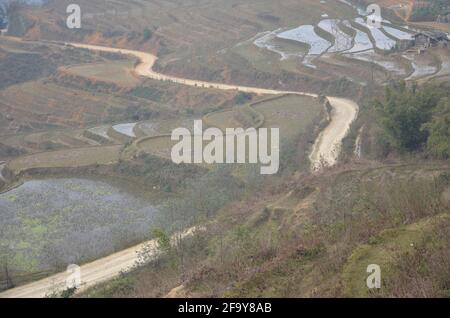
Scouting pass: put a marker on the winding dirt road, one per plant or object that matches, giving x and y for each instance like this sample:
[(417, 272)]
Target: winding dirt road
[(93, 273), (325, 151), (327, 147)]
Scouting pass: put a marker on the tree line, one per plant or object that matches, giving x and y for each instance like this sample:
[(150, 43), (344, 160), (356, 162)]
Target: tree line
[(416, 118)]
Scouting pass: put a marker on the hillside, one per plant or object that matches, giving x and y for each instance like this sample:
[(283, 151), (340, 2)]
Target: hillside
[(309, 242), (135, 147)]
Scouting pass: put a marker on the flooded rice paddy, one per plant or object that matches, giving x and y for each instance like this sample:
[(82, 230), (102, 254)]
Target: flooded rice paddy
[(387, 63), (126, 129), (266, 40), (50, 223), (399, 34), (101, 131), (306, 34), (382, 41), (362, 41), (343, 41)]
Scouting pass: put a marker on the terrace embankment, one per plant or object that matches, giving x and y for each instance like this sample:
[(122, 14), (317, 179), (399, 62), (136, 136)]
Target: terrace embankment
[(326, 151), (327, 147)]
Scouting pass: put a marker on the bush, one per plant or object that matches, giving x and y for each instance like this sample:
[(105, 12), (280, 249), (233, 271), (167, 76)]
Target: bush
[(431, 10), (439, 131), (147, 34), (243, 98), (405, 113)]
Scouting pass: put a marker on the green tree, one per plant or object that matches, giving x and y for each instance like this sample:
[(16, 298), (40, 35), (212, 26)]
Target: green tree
[(404, 112), (243, 98), (163, 240), (438, 143), (147, 34)]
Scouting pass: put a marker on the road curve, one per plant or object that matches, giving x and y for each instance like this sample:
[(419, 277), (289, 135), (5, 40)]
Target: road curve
[(326, 148), (325, 152), (93, 273)]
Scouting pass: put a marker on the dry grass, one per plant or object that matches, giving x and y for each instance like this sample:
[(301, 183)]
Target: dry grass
[(66, 158), (359, 217), (119, 72), (292, 114), (49, 103)]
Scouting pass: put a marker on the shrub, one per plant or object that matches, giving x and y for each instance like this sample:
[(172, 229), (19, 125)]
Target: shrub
[(406, 111), (439, 131), (243, 98), (147, 34)]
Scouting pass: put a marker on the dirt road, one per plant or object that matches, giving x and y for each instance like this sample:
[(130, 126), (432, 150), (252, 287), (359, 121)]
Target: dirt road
[(326, 150), (327, 147), (92, 273)]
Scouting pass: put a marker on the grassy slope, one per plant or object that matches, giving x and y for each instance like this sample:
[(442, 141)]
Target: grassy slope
[(198, 38), (383, 251), (67, 158), (117, 72), (281, 244), (292, 114)]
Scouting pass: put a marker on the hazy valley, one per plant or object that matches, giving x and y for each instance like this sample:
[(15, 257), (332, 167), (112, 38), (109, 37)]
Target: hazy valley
[(87, 175)]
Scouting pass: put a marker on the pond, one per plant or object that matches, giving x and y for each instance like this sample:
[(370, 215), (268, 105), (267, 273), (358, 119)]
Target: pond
[(382, 41), (126, 129), (343, 41), (48, 224), (306, 34)]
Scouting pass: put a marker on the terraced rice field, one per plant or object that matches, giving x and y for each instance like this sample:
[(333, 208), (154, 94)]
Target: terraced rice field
[(388, 63), (396, 33), (118, 72), (164, 126), (52, 139), (193, 29), (66, 138), (292, 114), (48, 103), (101, 131), (306, 34), (361, 41), (67, 158), (158, 146), (359, 45), (267, 41), (147, 129), (444, 70), (423, 66), (343, 41), (126, 129), (382, 41), (207, 35), (266, 33), (225, 119), (355, 39)]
